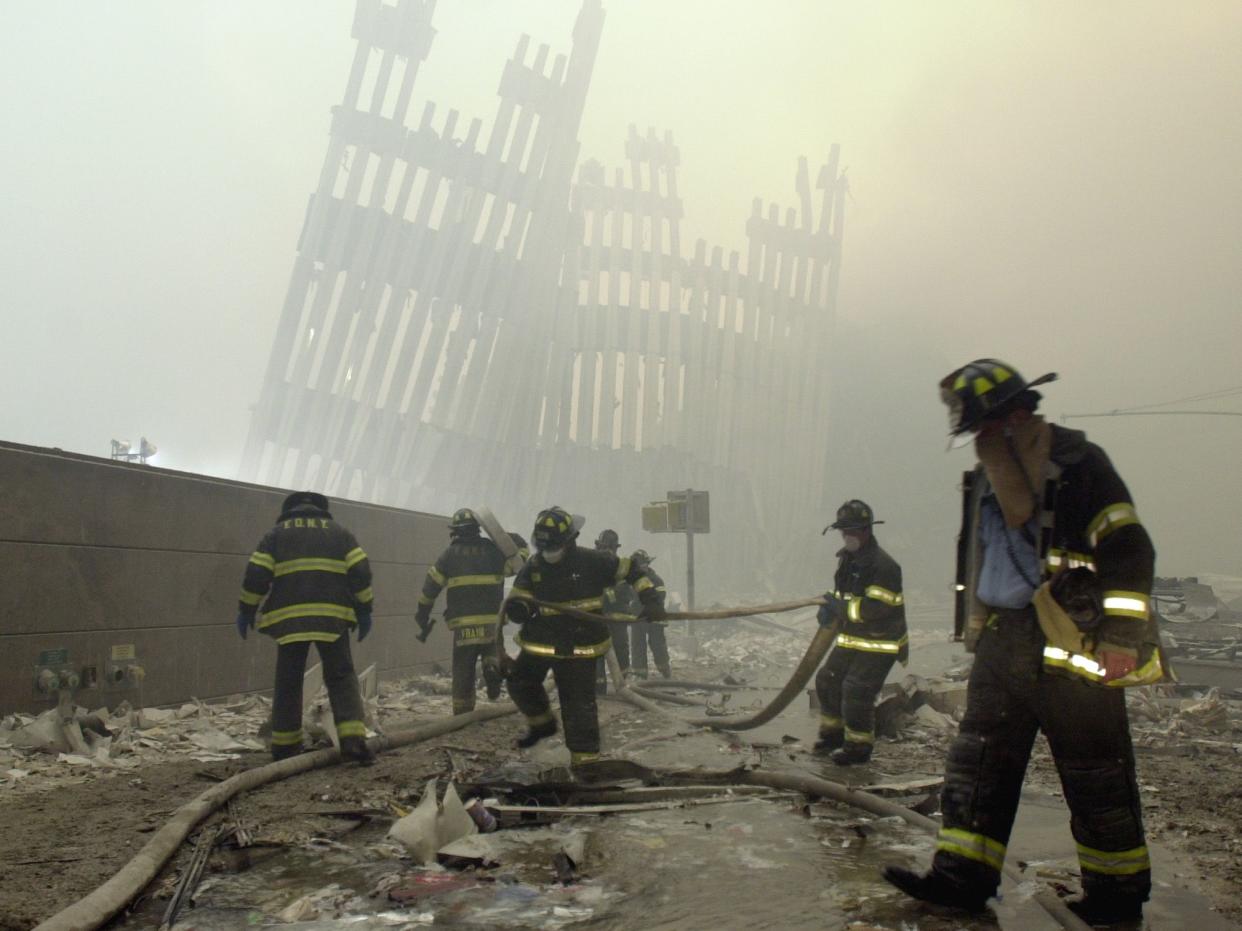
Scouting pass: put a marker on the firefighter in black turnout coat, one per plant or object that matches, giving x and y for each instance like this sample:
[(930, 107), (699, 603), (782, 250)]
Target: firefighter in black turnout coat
[(314, 584), (472, 568), (565, 575), (867, 603), (1054, 580)]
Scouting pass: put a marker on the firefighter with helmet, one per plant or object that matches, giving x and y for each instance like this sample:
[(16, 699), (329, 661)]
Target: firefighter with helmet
[(313, 581), (472, 568), (1054, 579), (647, 631), (867, 604), (563, 576), (619, 602)]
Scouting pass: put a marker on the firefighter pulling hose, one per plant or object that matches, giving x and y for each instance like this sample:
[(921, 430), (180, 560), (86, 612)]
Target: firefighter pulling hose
[(815, 652)]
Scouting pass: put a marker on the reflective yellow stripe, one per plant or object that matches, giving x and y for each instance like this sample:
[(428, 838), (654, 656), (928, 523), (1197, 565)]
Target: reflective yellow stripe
[(471, 620), (354, 556), (830, 722), (458, 581), (1114, 862), (583, 604), (521, 593), (590, 651), (424, 600), (854, 612), (859, 737), (462, 705), (1126, 604), (309, 609), (288, 566), (313, 636), (350, 729), (884, 595), (1075, 662), (872, 646), (366, 596), (643, 584), (577, 758), (286, 738), (972, 847), (1086, 666), (250, 598), (437, 576), (264, 560), (1112, 518), (623, 568), (476, 634), (1058, 559)]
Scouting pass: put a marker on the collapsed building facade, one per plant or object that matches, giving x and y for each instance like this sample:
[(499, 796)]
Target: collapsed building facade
[(483, 317)]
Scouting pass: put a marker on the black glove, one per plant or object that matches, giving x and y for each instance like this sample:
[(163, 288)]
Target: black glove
[(244, 623), (654, 610), (364, 622), (520, 611), (827, 613)]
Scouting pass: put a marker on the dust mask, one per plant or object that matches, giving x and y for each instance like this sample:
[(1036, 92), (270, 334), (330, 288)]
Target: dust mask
[(553, 556), (852, 544)]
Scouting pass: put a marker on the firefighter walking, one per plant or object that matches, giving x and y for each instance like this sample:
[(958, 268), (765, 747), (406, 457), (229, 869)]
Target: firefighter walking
[(564, 575), (1054, 578), (867, 604), (313, 581), (472, 569)]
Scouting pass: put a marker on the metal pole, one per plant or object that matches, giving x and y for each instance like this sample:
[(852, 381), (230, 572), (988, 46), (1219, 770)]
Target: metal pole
[(692, 625)]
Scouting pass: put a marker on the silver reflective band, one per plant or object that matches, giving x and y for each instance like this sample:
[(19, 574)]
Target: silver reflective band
[(1081, 663), (1125, 604)]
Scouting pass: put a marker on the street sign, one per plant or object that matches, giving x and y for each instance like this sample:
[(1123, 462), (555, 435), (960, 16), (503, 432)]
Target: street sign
[(689, 511)]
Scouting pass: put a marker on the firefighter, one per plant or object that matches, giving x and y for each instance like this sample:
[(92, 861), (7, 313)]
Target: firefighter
[(472, 568), (647, 631), (565, 575), (317, 584), (867, 603), (1054, 580), (619, 602)]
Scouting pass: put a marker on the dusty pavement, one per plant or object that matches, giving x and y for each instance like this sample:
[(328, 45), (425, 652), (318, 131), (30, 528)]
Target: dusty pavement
[(71, 828)]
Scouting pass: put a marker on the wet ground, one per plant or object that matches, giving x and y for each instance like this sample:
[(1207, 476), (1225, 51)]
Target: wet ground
[(745, 863)]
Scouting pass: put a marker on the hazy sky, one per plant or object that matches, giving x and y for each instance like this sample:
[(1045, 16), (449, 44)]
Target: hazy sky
[(1058, 184)]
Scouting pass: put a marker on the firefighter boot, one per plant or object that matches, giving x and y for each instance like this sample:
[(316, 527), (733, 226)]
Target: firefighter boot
[(492, 680), (356, 750), (666, 671), (829, 741), (936, 888), (1106, 910), (852, 754), (536, 733), (284, 752)]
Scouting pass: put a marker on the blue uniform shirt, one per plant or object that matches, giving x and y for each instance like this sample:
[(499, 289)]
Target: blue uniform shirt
[(1001, 585)]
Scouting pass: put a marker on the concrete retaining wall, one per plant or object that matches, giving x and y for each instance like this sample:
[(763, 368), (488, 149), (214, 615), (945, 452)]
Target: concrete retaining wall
[(108, 560)]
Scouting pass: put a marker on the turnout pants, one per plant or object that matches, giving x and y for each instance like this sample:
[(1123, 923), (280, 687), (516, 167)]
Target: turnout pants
[(341, 682), (575, 686), (847, 686), (1009, 699), (466, 658), (648, 632)]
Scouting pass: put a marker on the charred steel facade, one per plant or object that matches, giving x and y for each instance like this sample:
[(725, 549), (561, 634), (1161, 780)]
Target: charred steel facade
[(477, 317)]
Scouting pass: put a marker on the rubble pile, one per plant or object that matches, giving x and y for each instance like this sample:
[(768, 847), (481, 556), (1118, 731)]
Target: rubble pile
[(70, 744)]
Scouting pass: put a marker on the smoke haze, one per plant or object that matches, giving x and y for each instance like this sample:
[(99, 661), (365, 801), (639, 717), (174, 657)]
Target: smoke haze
[(1054, 184)]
